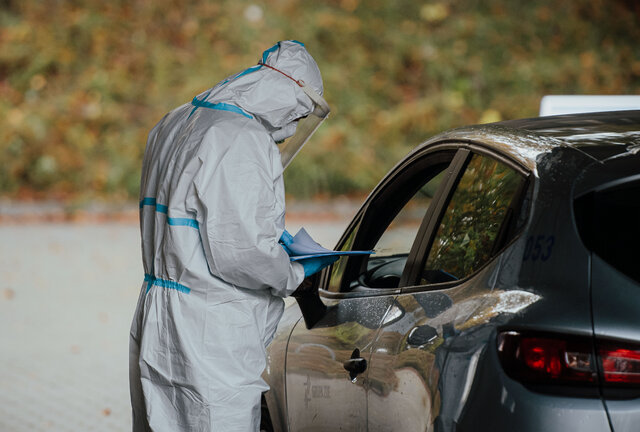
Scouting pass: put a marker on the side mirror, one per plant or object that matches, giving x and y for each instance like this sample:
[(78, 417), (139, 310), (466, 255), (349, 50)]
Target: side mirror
[(309, 301)]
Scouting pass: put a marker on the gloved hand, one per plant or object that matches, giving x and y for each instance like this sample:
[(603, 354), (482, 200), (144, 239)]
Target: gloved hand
[(286, 239), (314, 265)]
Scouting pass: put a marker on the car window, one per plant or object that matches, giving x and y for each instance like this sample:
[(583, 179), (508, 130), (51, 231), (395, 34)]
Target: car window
[(337, 271), (399, 235), (476, 218), (389, 228), (608, 222)]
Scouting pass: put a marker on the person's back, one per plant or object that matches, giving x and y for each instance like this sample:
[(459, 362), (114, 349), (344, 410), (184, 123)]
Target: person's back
[(211, 212)]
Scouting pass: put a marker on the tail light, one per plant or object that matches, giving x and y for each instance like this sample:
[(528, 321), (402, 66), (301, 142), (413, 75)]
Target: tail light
[(620, 365), (546, 359)]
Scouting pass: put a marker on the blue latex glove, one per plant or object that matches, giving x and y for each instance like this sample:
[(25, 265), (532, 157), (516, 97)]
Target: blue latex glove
[(314, 265), (286, 239)]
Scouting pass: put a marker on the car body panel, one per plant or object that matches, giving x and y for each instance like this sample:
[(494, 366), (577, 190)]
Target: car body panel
[(498, 403), (553, 262), (616, 310), (623, 414), (407, 357), (320, 393)]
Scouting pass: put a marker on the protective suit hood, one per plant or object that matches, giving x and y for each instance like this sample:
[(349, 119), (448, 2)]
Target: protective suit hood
[(275, 100)]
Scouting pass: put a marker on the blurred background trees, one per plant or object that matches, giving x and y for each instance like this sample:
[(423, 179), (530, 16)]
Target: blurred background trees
[(82, 82)]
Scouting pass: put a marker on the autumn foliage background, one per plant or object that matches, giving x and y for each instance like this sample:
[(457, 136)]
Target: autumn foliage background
[(82, 82)]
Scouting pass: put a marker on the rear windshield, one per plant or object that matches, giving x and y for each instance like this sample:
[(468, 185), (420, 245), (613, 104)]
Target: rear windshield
[(609, 225)]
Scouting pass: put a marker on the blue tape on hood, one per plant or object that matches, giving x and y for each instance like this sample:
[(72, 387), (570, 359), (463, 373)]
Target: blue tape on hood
[(197, 103)]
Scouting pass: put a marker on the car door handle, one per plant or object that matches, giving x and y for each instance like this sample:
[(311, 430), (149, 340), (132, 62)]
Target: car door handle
[(355, 365)]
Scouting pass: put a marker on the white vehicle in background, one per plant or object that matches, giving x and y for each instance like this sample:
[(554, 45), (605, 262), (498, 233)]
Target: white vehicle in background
[(575, 104)]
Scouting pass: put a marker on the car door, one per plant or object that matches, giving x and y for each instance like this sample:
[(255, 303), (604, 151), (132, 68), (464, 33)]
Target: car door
[(326, 366), (422, 364)]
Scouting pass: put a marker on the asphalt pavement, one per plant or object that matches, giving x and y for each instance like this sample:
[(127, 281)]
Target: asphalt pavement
[(67, 296)]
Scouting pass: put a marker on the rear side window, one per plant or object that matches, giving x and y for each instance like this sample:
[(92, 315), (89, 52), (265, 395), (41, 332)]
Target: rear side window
[(609, 224), (477, 221)]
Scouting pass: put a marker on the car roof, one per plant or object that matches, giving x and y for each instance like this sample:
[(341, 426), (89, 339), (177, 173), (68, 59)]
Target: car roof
[(599, 135)]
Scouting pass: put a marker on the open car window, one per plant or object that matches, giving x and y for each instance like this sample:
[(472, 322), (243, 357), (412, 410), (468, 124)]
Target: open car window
[(401, 232), (390, 227)]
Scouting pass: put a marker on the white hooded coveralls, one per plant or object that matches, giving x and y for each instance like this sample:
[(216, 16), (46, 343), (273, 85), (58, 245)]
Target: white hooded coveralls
[(211, 213)]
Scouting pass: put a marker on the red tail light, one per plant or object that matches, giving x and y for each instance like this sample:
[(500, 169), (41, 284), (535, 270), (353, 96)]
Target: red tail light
[(620, 365), (547, 359)]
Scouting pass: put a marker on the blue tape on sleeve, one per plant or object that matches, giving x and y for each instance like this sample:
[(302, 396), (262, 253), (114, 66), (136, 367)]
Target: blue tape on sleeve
[(164, 283), (183, 222)]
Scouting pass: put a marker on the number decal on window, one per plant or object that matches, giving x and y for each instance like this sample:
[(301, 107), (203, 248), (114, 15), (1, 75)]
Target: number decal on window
[(539, 247)]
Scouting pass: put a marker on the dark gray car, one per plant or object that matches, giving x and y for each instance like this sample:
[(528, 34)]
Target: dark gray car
[(504, 293)]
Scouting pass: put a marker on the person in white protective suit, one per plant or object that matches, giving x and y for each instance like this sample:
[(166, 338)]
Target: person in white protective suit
[(211, 214)]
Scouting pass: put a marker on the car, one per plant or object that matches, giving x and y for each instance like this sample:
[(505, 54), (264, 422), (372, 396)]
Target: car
[(503, 294)]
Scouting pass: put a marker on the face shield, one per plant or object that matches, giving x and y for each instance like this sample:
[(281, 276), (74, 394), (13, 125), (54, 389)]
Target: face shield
[(304, 127)]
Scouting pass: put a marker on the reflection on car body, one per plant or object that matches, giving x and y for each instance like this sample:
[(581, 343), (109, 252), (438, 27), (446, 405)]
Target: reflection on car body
[(503, 294)]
